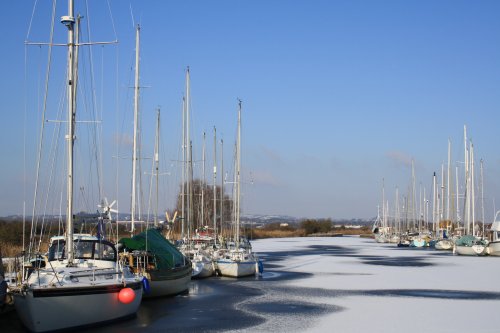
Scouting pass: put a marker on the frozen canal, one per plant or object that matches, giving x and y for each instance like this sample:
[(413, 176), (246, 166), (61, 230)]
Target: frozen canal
[(339, 284), (365, 286)]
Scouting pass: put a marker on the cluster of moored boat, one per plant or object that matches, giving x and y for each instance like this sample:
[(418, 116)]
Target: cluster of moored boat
[(448, 228), (447, 238), (86, 279), (90, 280)]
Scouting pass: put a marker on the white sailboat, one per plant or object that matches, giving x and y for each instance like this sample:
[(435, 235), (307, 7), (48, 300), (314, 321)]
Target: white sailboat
[(199, 248), (494, 245), (82, 282), (3, 286), (149, 254), (444, 244), (470, 244), (202, 264), (192, 243), (238, 260), (443, 228), (380, 230)]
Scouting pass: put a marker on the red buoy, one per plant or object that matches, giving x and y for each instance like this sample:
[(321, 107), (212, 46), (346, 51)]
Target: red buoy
[(126, 295)]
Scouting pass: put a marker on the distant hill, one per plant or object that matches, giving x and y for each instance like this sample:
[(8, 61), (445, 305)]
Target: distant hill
[(257, 219), (248, 219)]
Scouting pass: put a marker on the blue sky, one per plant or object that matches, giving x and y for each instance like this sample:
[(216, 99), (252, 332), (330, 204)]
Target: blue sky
[(337, 95)]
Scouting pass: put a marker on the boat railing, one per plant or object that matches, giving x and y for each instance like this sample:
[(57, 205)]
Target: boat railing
[(94, 273)]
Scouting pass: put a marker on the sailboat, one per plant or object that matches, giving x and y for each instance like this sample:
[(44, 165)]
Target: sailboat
[(470, 244), (443, 228), (199, 248), (379, 230), (238, 260), (192, 244), (443, 241), (82, 281), (149, 254), (494, 244), (3, 285)]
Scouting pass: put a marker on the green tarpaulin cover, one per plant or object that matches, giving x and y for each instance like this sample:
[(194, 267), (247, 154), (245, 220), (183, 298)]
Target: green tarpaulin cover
[(469, 240), (167, 255)]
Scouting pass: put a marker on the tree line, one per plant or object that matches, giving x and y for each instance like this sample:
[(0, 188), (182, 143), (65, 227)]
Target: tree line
[(198, 201)]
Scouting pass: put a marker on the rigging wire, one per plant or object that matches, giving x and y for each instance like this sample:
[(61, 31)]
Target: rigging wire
[(44, 110), (31, 19), (112, 20), (53, 154), (96, 137)]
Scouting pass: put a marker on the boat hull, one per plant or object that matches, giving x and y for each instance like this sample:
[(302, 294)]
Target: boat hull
[(494, 248), (474, 250), (232, 268), (169, 283), (202, 269), (381, 238), (418, 242), (395, 239), (54, 308), (444, 244)]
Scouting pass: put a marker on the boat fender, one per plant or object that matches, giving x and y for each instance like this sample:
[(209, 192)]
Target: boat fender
[(126, 295), (3, 293), (261, 267), (145, 285)]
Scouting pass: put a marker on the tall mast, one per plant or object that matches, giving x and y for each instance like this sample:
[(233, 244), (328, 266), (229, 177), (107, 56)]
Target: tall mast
[(434, 201), (398, 220), (215, 184), (157, 164), (482, 196), (448, 182), (202, 223), (221, 186), (184, 159), (413, 196), (69, 21), (188, 150), (383, 206), (442, 202), (466, 195), (238, 177), (185, 156), (457, 216), (420, 206), (136, 125), (190, 191), (473, 190), (425, 209)]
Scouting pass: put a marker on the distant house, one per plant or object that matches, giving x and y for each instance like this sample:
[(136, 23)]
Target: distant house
[(283, 225), (347, 226)]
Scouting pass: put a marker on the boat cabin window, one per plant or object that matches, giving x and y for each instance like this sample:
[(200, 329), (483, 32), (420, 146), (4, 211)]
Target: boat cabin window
[(56, 250), (104, 251), (84, 249)]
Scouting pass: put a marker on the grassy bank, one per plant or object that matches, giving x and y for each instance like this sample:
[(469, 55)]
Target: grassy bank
[(11, 232)]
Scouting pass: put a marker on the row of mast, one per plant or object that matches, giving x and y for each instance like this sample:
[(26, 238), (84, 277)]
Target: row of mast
[(442, 197), (187, 161)]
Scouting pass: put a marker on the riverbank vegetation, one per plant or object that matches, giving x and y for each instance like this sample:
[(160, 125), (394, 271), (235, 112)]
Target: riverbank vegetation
[(305, 228), (11, 232)]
